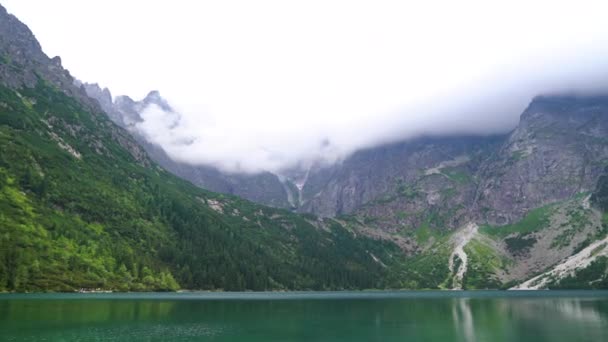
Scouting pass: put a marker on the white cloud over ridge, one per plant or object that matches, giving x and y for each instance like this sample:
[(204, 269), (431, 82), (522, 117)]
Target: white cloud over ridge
[(262, 85)]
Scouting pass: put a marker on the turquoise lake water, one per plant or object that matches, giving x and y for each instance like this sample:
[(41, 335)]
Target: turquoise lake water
[(322, 316)]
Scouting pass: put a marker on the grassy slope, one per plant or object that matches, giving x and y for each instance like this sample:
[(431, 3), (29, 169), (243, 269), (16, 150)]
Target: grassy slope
[(102, 220), (535, 220)]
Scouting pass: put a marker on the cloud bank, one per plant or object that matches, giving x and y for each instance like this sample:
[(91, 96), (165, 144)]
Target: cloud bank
[(264, 85)]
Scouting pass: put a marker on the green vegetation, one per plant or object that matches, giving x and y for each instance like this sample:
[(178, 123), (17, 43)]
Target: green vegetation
[(600, 233), (578, 219), (407, 190), (80, 209), (430, 228), (423, 233), (483, 264), (534, 221), (594, 276), (520, 243), (427, 270)]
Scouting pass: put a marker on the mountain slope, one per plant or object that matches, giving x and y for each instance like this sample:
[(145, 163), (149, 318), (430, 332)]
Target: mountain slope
[(264, 188), (78, 207), (81, 205), (529, 192), (559, 149)]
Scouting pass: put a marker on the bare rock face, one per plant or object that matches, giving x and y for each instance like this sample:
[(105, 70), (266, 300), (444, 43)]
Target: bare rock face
[(407, 176), (103, 96), (559, 149), (24, 64)]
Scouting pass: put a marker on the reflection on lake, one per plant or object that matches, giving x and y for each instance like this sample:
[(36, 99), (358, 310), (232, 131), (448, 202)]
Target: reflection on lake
[(550, 319), (358, 316)]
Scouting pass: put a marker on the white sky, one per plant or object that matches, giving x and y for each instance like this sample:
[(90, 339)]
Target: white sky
[(260, 84)]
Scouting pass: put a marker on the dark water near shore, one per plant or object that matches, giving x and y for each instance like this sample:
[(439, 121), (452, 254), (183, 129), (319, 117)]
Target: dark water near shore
[(325, 316)]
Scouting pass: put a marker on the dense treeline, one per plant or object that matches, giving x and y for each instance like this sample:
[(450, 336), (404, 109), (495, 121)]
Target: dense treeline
[(77, 210)]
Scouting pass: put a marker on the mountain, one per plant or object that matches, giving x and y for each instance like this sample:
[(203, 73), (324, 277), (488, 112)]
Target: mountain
[(88, 201), (83, 206), (509, 208), (558, 150), (264, 188)]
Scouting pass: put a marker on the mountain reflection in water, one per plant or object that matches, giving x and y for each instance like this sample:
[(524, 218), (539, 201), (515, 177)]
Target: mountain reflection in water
[(330, 316)]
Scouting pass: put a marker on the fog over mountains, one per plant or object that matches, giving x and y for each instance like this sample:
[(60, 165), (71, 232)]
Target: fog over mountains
[(269, 85), (441, 184)]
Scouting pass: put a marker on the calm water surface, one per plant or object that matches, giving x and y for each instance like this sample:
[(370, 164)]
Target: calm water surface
[(325, 316)]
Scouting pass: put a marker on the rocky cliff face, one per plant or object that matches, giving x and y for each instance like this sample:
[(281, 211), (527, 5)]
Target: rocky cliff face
[(23, 63), (409, 170), (559, 149)]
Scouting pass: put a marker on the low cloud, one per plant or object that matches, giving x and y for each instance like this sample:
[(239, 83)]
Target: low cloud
[(263, 85), (252, 142)]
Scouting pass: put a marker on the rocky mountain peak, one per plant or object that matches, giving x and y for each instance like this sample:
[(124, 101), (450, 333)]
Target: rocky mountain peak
[(155, 98), (557, 150), (564, 103), (56, 61), (17, 36), (104, 96), (154, 95), (124, 100), (23, 63)]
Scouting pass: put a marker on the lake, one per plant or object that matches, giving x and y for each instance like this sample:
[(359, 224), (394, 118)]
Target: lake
[(307, 316)]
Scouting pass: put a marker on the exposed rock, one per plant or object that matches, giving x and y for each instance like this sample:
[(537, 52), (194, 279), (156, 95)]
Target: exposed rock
[(379, 173), (559, 149), (23, 64)]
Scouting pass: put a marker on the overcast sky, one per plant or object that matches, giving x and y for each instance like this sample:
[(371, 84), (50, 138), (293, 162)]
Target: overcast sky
[(263, 84)]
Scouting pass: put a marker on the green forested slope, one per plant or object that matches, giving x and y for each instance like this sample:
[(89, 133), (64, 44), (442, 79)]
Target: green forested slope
[(82, 205), (77, 209)]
